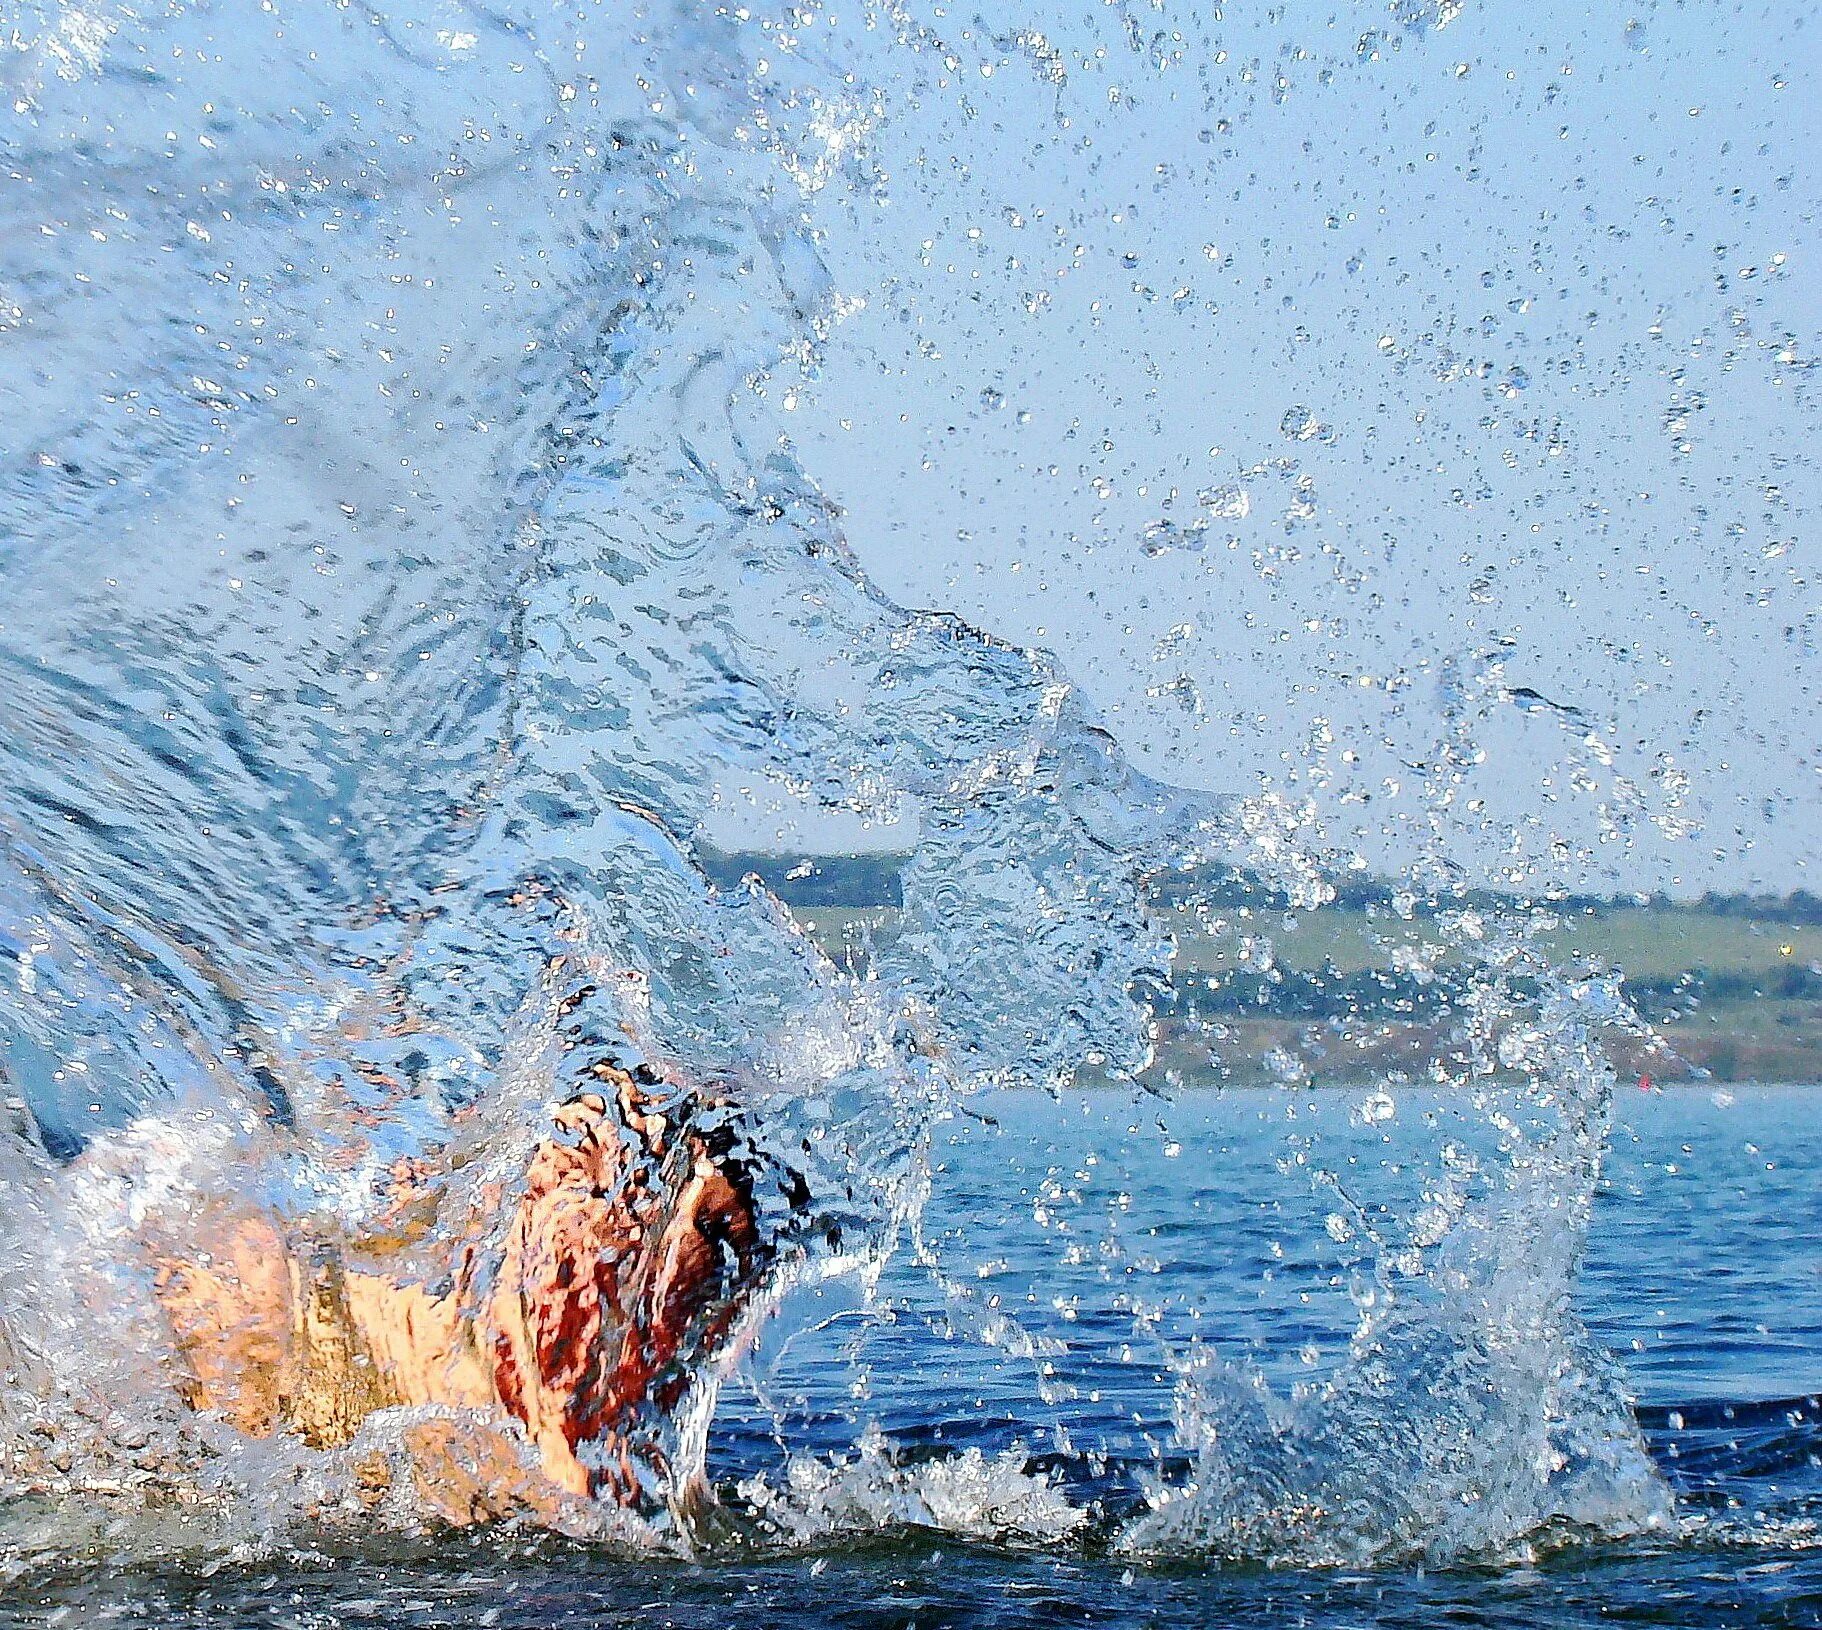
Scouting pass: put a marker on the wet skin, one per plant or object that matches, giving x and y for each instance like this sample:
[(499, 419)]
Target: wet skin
[(630, 1254)]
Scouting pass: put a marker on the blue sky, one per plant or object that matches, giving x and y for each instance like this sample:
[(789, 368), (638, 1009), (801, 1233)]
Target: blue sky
[(1290, 373)]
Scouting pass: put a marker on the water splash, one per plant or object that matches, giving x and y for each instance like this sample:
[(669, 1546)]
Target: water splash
[(968, 1495), (1472, 1415), (400, 553), (385, 609)]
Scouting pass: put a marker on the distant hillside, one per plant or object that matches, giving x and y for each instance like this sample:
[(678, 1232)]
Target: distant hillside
[(1733, 982), (867, 880)]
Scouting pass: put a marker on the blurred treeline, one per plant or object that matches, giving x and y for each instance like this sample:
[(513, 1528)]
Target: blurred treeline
[(1733, 982)]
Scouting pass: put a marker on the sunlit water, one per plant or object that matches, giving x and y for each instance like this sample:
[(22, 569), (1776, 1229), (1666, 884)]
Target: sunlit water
[(403, 558), (1716, 1309)]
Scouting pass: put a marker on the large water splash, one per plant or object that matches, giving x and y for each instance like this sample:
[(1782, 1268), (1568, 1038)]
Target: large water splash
[(387, 600), (399, 553), (1471, 1414)]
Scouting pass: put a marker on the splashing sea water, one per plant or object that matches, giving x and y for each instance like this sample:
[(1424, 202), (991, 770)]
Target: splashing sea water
[(399, 552)]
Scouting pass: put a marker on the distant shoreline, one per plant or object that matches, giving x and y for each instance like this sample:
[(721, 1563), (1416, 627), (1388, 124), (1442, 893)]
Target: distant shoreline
[(1733, 989), (1206, 1082)]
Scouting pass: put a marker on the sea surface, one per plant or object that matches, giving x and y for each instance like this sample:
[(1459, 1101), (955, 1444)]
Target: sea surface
[(1702, 1276), (417, 544)]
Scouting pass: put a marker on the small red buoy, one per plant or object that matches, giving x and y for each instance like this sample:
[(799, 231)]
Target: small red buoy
[(1644, 1083)]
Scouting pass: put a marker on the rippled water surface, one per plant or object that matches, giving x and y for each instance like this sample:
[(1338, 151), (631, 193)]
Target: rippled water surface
[(1716, 1308)]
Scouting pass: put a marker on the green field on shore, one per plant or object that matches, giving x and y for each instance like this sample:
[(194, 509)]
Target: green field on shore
[(1647, 943), (1734, 992)]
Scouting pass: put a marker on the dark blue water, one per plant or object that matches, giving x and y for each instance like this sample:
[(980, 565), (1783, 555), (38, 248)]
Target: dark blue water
[(1101, 1235)]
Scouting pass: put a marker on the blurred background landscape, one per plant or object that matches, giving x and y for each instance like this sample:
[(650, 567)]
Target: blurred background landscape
[(1730, 984)]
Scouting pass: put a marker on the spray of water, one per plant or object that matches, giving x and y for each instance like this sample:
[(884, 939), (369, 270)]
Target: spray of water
[(1471, 1414), (400, 552)]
